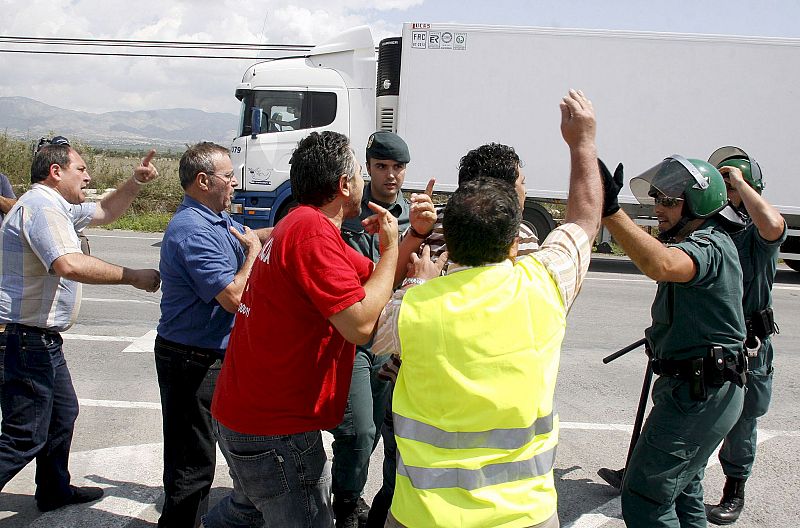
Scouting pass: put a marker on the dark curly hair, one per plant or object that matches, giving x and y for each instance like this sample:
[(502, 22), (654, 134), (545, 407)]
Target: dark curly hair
[(492, 160), (317, 163), (481, 221)]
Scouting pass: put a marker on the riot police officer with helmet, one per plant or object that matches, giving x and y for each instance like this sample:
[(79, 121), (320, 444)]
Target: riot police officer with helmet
[(696, 337), (758, 245)]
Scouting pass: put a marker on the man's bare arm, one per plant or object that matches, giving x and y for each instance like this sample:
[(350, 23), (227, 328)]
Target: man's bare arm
[(357, 322), (654, 259), (92, 270), (230, 297), (115, 204), (585, 188), (6, 204)]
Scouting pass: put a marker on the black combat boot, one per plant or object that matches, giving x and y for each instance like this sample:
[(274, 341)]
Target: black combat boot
[(731, 504), (350, 513)]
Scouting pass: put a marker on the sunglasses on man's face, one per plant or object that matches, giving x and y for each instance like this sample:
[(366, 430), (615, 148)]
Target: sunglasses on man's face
[(667, 201), (56, 140)]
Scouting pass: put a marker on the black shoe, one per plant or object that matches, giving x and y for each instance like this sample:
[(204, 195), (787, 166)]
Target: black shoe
[(731, 504), (363, 512), (346, 513), (612, 476), (79, 496)]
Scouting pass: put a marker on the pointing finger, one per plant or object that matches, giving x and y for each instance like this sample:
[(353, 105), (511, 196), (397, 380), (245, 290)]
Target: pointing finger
[(147, 159), (429, 187)]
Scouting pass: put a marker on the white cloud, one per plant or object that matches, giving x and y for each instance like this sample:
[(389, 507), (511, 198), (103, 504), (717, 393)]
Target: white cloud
[(98, 84)]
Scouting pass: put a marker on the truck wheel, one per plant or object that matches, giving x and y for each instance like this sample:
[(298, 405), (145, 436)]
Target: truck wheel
[(284, 210), (791, 245), (538, 217)]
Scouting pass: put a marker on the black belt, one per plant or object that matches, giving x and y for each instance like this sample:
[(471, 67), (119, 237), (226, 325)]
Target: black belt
[(193, 352), (714, 369), (17, 328)]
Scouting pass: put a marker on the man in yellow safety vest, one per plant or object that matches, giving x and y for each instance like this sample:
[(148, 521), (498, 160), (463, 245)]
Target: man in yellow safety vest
[(473, 405)]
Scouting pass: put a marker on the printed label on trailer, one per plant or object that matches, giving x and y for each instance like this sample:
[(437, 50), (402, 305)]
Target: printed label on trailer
[(419, 39), (434, 39), (447, 40), (460, 41), (419, 25)]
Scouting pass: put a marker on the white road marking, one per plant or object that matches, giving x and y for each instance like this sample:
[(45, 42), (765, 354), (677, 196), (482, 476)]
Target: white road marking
[(135, 301), (128, 237), (146, 343), (119, 404), (85, 337)]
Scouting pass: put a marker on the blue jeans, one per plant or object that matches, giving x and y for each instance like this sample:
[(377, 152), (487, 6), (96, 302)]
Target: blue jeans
[(186, 380), (39, 408), (279, 481)]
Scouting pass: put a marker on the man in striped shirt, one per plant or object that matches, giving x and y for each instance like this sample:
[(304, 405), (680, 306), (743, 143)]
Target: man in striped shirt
[(41, 271)]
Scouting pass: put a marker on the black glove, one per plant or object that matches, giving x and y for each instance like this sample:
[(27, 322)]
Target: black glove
[(611, 188)]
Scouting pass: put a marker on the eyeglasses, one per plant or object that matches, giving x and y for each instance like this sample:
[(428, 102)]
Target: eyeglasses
[(667, 201), (227, 178), (56, 140)]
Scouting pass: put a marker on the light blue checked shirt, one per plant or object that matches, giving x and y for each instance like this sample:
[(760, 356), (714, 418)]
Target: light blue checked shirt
[(40, 228)]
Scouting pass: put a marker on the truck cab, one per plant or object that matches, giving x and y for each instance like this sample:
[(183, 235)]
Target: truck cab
[(283, 100)]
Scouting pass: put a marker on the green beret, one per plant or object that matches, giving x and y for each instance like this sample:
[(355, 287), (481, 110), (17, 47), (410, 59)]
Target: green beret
[(387, 146)]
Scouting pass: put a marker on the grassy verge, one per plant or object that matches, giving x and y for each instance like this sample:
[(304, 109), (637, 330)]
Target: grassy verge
[(148, 222)]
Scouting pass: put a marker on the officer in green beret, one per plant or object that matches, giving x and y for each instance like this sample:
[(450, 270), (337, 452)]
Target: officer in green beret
[(356, 437)]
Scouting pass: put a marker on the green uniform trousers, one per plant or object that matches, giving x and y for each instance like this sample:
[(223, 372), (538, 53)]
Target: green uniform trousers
[(739, 448), (663, 481), (356, 437)]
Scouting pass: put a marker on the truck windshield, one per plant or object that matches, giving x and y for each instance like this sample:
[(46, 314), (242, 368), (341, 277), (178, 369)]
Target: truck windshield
[(288, 110)]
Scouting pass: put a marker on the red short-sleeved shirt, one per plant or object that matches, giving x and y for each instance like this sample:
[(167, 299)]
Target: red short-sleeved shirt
[(287, 369)]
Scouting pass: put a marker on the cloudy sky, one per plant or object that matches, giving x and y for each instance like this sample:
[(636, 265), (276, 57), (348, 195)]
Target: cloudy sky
[(98, 84)]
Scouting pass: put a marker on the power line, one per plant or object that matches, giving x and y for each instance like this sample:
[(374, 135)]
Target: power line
[(152, 43), (154, 55)]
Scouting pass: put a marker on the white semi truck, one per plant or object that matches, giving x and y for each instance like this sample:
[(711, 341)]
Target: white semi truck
[(448, 88)]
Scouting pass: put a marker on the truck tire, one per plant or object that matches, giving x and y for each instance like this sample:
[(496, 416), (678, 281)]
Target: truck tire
[(791, 245), (284, 210), (538, 217)]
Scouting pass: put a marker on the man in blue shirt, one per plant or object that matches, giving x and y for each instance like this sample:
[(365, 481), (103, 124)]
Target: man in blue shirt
[(205, 260)]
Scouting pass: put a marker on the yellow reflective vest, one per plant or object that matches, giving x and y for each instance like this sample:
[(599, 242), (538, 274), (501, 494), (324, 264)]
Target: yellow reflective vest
[(473, 406)]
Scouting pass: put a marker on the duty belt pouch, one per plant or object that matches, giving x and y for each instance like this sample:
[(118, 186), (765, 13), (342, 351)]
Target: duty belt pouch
[(697, 382), (762, 324)]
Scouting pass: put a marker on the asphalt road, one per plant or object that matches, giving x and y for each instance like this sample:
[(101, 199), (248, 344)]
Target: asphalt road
[(117, 443)]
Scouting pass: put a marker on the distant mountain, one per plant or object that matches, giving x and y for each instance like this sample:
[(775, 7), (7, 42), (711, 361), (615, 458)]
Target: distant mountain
[(27, 118)]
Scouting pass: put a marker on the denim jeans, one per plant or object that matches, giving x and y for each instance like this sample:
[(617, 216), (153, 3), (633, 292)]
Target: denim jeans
[(279, 481), (186, 380), (39, 408)]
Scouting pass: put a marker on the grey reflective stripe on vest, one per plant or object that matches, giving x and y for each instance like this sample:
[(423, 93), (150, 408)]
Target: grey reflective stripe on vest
[(494, 439), (471, 479)]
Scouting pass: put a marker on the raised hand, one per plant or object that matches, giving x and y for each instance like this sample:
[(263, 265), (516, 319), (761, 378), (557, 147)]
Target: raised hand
[(422, 214), (146, 171), (578, 124), (612, 185), (384, 224), (423, 267)]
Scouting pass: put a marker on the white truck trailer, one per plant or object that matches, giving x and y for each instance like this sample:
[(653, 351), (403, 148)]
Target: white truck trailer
[(448, 88)]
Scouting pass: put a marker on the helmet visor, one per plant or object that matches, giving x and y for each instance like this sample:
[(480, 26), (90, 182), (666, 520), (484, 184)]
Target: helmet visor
[(668, 179), (723, 154)]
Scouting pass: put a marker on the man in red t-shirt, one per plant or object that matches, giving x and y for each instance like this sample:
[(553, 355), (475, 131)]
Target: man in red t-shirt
[(309, 300)]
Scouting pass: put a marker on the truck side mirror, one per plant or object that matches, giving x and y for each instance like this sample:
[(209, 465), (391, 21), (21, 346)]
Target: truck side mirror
[(255, 122)]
